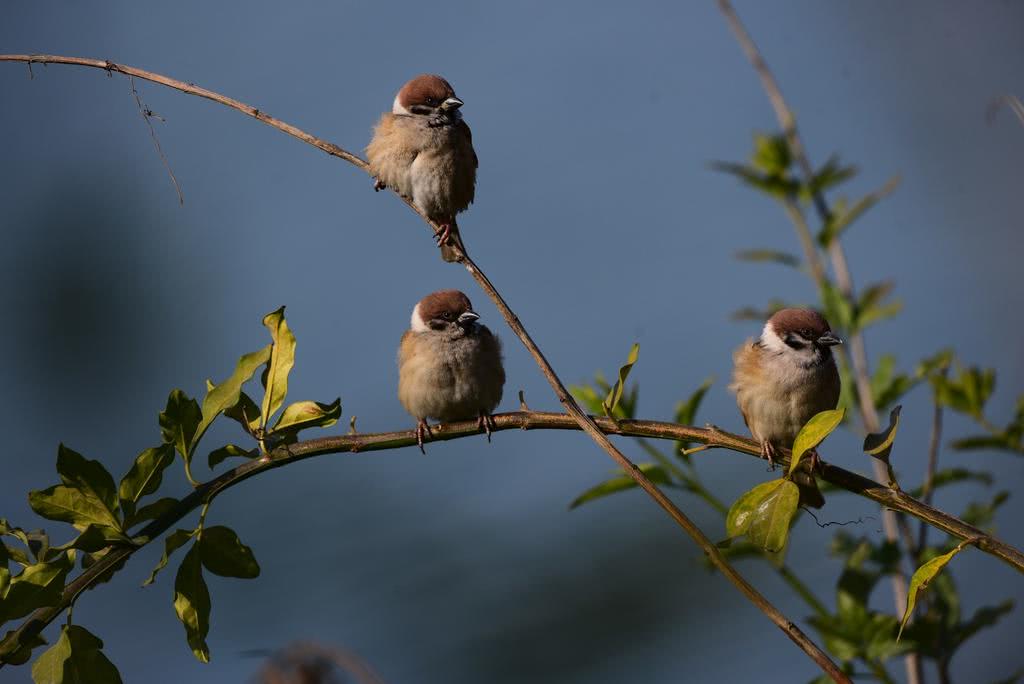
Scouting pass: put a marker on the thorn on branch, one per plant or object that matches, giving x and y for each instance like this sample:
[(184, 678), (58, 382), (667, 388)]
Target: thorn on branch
[(693, 450), (522, 402), (352, 426)]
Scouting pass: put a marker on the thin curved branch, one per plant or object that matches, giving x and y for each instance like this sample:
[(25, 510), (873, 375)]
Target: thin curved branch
[(518, 420)]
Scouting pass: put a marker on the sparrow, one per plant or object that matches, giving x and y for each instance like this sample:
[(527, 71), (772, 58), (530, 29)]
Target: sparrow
[(782, 380), (449, 365), (423, 150)]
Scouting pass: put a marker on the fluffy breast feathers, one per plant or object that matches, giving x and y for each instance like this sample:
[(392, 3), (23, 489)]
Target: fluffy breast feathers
[(433, 166)]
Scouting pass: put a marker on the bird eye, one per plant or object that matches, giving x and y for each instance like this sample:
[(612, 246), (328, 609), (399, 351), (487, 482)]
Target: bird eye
[(447, 315), (432, 101)]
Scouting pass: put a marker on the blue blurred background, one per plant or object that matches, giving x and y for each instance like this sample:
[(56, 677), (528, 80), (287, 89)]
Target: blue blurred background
[(599, 219)]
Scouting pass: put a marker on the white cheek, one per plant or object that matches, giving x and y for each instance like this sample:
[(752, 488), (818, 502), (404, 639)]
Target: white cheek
[(397, 108), (771, 341), (416, 323)]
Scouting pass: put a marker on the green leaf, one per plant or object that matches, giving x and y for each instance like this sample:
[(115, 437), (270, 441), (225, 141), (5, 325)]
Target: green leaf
[(246, 413), (224, 554), (776, 186), (5, 576), (217, 456), (871, 307), (192, 603), (227, 395), (655, 473), (72, 505), (771, 153), (178, 422), (751, 313), (307, 414), (879, 444), (813, 433), (838, 308), (90, 477), (144, 477), (829, 175), (612, 400), (981, 514), (686, 412), (922, 576), (948, 476), (977, 442), (95, 538), (843, 217), (76, 658), (741, 513), (24, 651), (152, 511), (281, 361), (588, 397), (759, 255), (769, 526), (174, 541), (764, 514), (36, 586)]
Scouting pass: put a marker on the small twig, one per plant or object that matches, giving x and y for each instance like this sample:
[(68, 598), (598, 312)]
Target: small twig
[(1011, 101), (147, 114), (522, 402)]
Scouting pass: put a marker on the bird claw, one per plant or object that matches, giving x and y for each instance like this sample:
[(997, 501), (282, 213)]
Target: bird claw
[(422, 429), (768, 451), (486, 423), (443, 233), (378, 185)]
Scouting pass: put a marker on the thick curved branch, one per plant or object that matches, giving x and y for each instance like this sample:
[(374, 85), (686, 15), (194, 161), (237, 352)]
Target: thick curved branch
[(519, 420)]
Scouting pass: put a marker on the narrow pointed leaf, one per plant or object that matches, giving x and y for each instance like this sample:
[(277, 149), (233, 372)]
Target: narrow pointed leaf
[(655, 473), (224, 554), (760, 255), (281, 361), (814, 433), (174, 541), (611, 402), (144, 477), (842, 219), (879, 444), (192, 603), (227, 394), (922, 576)]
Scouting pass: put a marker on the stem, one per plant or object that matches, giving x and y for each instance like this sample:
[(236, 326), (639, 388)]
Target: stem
[(519, 420)]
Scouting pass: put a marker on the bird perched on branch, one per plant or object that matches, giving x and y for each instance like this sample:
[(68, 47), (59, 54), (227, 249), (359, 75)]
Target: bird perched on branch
[(424, 150), (449, 365), (782, 380)]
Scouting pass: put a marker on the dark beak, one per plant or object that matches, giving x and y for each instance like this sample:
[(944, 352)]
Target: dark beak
[(828, 340), (451, 103), (468, 317)]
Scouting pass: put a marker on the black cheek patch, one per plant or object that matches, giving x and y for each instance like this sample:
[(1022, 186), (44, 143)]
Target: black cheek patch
[(794, 343), (421, 109)]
